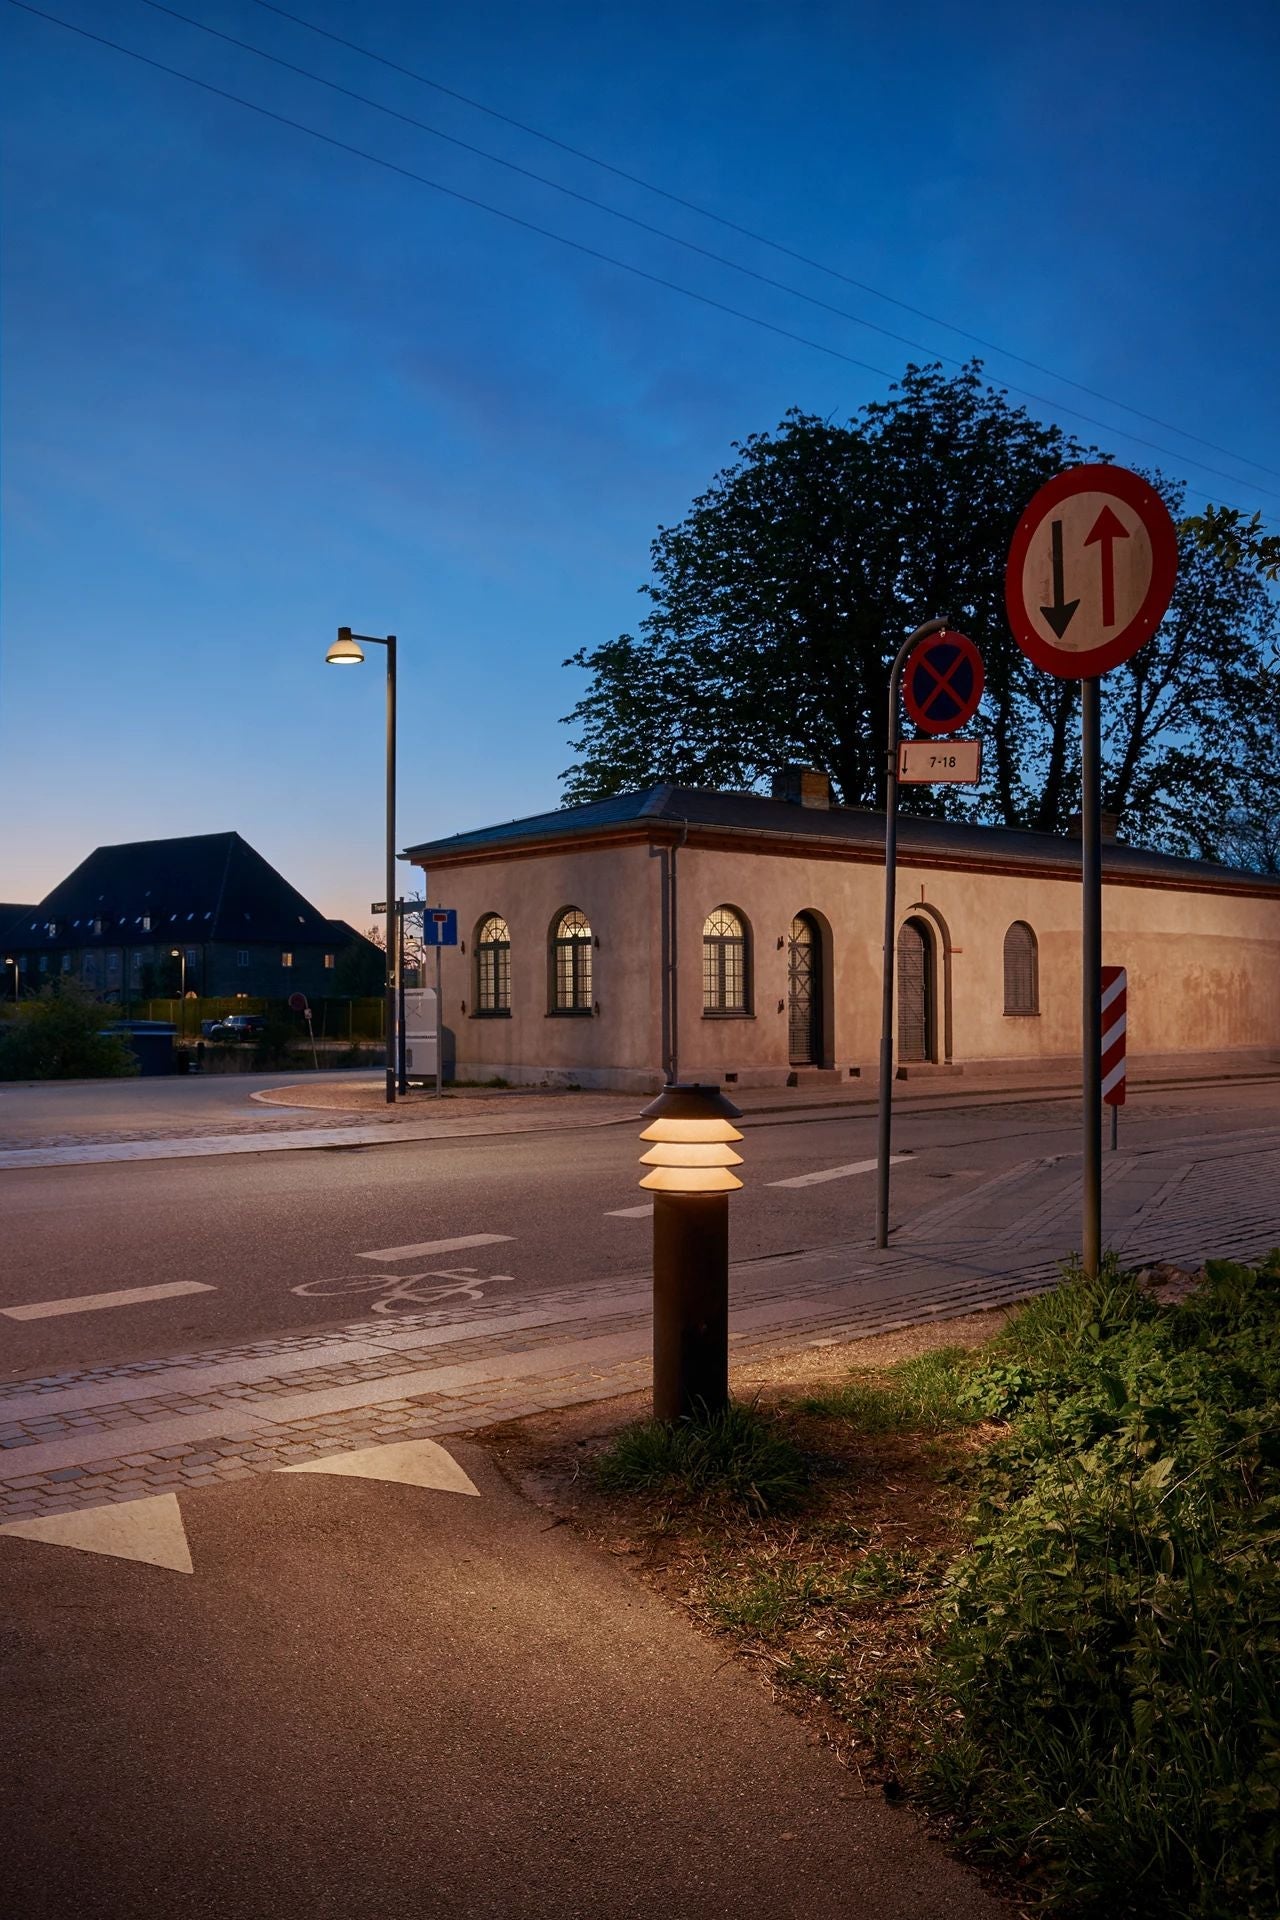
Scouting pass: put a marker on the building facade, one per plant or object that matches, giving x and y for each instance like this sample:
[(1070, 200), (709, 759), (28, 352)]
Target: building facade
[(239, 927), (736, 938)]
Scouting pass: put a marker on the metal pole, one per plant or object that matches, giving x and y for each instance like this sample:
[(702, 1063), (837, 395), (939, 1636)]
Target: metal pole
[(885, 1127), (392, 969), (439, 1030), (690, 1304), (1091, 969), (402, 1053)]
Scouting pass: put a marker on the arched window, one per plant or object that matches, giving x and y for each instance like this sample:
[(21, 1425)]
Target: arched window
[(493, 965), (1021, 971), (571, 963), (724, 962)]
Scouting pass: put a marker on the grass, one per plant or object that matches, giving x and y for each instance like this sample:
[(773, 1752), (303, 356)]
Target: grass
[(925, 1394), (739, 1456)]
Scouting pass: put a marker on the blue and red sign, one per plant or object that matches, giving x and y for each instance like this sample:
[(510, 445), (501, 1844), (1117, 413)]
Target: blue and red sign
[(943, 682)]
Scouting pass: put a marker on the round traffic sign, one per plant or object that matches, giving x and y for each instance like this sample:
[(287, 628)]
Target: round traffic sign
[(943, 681), (1091, 571), (297, 1002)]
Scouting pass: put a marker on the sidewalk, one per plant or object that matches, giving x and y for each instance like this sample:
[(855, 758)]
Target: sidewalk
[(347, 1111), (98, 1435)]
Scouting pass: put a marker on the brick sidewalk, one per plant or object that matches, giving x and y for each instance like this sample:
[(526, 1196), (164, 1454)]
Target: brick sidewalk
[(85, 1437)]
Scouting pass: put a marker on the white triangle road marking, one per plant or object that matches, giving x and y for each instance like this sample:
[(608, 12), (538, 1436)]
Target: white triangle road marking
[(413, 1463), (149, 1530)]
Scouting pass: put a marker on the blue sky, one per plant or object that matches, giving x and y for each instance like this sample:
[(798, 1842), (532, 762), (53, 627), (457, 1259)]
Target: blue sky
[(254, 386)]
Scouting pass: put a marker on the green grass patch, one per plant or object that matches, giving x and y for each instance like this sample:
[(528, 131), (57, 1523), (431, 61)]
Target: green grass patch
[(1102, 1697), (740, 1455), (926, 1394)]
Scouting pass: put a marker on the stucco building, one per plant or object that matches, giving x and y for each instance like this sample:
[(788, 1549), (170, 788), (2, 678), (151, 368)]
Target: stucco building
[(736, 938)]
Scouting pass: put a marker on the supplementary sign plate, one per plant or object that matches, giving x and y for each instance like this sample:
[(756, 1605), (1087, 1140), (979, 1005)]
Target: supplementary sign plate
[(1091, 571), (922, 762)]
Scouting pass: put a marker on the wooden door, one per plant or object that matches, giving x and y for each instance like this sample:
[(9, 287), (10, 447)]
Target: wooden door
[(804, 992), (915, 992)]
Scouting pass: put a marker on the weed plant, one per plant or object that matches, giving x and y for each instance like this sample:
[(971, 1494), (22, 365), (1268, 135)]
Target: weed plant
[(739, 1456), (1102, 1698), (926, 1394)]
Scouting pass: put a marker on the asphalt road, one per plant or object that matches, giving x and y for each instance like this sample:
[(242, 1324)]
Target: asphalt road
[(251, 1230)]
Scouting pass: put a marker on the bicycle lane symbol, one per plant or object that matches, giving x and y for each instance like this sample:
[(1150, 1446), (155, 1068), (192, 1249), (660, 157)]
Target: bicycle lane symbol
[(397, 1292)]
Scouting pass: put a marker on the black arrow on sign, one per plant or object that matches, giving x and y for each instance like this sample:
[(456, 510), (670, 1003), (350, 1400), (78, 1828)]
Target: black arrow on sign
[(1062, 612)]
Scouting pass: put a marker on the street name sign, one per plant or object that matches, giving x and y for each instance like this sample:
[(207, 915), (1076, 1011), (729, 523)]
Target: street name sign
[(922, 762), (942, 683), (1091, 571), (1115, 1008)]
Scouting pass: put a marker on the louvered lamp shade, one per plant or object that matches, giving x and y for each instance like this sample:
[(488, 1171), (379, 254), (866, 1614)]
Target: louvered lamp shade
[(691, 1129)]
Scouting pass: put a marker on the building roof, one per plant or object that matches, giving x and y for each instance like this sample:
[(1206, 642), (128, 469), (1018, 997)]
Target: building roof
[(194, 890), (852, 832), (11, 910)]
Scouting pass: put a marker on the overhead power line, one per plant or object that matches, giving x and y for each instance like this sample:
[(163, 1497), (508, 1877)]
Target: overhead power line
[(517, 220), (691, 246), (764, 240)]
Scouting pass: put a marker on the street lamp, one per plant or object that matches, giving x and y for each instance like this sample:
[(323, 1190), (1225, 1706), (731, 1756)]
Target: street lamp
[(179, 954), (347, 651), (689, 1161), (11, 961)]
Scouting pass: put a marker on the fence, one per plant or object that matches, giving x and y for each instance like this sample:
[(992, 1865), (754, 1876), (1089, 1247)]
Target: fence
[(343, 1021)]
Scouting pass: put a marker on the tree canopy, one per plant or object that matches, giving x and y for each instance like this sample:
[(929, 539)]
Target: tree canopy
[(778, 603)]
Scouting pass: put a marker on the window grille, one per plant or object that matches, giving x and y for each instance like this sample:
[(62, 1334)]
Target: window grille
[(1021, 971), (571, 964), (493, 965), (724, 962)]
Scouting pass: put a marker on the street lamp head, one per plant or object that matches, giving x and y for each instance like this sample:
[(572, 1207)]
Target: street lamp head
[(175, 953), (345, 652), (691, 1128)]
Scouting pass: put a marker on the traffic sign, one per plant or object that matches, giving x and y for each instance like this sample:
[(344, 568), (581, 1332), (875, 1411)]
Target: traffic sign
[(440, 927), (954, 762), (298, 1002), (1115, 1003), (942, 682), (1091, 571)]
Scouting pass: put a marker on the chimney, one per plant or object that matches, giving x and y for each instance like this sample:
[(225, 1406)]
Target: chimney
[(1108, 827), (803, 787)]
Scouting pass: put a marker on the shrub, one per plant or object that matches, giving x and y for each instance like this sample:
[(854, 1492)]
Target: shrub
[(57, 1035)]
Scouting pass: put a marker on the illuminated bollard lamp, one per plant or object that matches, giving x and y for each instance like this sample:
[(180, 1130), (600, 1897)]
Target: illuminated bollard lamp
[(690, 1159)]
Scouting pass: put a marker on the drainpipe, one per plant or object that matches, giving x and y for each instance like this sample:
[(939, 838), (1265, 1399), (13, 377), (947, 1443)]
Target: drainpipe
[(674, 973)]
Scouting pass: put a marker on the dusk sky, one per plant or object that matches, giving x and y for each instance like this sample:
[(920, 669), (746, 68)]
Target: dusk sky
[(255, 386)]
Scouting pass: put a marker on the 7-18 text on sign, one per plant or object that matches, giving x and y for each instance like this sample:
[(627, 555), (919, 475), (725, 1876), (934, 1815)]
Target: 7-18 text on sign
[(924, 762)]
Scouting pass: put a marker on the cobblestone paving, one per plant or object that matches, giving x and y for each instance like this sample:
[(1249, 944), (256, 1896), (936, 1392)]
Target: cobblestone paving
[(93, 1435)]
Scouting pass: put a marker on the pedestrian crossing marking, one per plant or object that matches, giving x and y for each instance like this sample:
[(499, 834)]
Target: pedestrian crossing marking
[(412, 1463), (150, 1530)]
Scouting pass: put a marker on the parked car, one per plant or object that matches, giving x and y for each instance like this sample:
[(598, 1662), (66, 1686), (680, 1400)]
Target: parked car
[(237, 1026)]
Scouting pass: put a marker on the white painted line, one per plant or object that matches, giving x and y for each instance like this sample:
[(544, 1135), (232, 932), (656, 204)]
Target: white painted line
[(437, 1246), (1113, 992), (1113, 1033), (632, 1213), (91, 1302), (149, 1530), (836, 1173), (413, 1463)]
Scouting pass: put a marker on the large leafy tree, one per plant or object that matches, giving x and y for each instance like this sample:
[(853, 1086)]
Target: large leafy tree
[(777, 604)]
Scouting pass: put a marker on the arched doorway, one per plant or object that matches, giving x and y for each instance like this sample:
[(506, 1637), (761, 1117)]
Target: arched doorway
[(916, 1023), (804, 991)]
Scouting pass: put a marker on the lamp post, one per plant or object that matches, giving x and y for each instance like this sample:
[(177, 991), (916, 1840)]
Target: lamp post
[(691, 1128), (346, 651), (10, 960), (179, 954)]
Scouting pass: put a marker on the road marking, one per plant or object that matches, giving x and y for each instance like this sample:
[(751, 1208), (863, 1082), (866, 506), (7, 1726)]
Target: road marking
[(436, 1246), (413, 1463), (149, 1530), (632, 1213), (836, 1173), (91, 1302)]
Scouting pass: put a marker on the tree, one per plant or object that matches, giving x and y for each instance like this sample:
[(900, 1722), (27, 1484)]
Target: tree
[(360, 969), (777, 604), (57, 1035), (1235, 541)]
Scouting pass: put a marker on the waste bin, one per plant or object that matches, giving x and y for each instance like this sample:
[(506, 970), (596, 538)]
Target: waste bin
[(151, 1042)]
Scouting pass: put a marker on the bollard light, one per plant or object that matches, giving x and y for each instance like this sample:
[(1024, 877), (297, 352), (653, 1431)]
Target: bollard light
[(690, 1159)]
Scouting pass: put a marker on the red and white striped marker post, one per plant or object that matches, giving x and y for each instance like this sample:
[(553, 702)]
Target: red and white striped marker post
[(1115, 1007)]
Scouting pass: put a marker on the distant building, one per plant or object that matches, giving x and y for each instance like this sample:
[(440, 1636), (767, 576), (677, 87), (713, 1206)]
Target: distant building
[(736, 938), (114, 923)]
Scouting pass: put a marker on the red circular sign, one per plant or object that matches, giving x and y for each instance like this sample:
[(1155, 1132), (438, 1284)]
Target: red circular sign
[(1091, 571), (943, 682), (298, 1001)]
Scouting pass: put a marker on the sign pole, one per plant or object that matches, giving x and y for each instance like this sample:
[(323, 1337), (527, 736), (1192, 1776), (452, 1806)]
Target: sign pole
[(1091, 969), (402, 1057), (439, 1031), (884, 1132)]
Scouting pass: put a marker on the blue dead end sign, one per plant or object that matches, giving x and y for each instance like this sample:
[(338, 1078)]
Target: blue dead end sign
[(943, 682), (440, 927)]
